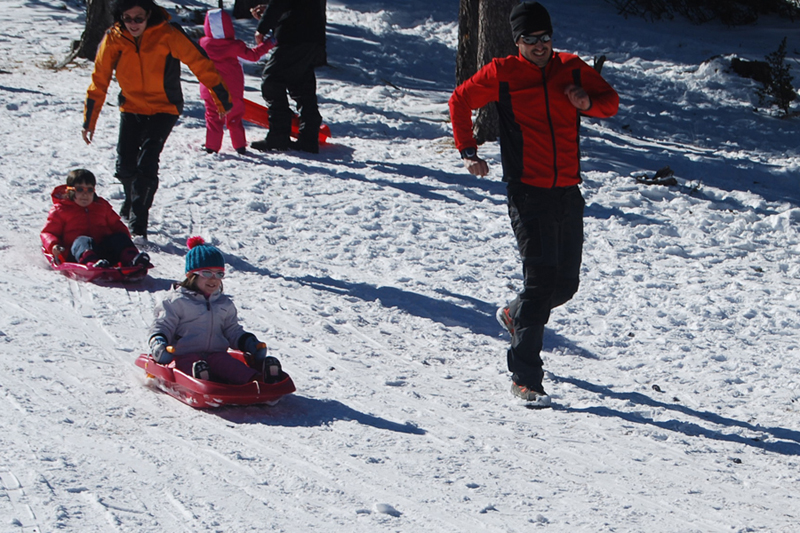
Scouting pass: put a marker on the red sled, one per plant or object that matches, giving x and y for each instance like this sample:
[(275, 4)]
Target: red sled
[(83, 272), (201, 394), (259, 115)]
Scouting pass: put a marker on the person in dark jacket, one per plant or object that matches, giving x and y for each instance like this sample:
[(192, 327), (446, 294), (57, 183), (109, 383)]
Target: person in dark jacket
[(298, 27), (540, 95)]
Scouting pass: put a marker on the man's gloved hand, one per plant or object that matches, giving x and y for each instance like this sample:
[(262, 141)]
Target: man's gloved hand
[(158, 349)]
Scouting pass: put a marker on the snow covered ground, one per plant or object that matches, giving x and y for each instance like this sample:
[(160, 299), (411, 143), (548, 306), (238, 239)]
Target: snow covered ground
[(373, 271)]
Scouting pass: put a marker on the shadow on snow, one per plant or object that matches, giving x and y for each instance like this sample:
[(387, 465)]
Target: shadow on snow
[(300, 411), (789, 443)]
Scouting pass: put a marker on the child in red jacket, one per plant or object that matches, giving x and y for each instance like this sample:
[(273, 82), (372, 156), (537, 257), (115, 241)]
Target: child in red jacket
[(82, 227), (224, 49)]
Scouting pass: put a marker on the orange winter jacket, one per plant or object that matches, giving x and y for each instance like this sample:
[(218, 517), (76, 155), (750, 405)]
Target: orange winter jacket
[(148, 71)]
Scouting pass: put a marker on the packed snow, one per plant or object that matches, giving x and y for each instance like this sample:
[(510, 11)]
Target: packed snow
[(373, 270)]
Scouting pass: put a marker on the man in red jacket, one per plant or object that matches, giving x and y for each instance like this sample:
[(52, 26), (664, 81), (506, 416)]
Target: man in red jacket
[(540, 95)]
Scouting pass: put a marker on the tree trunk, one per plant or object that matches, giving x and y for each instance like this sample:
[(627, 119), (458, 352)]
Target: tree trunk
[(494, 40), (483, 34), (99, 18), (467, 56)]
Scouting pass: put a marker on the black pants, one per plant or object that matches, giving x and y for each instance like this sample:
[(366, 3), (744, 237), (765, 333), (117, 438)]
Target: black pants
[(141, 139), (291, 70), (548, 225)]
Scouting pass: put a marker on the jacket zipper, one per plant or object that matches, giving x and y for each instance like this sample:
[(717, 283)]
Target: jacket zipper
[(210, 329), (550, 123)]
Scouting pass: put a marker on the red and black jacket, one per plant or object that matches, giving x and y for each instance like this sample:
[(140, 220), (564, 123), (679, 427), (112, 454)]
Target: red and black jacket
[(538, 124)]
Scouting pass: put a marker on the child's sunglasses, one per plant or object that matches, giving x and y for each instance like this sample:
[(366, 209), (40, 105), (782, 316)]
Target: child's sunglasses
[(210, 274), (81, 189)]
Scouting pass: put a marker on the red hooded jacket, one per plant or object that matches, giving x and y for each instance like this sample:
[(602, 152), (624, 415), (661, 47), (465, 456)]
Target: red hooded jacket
[(67, 221), (538, 124), (224, 49)]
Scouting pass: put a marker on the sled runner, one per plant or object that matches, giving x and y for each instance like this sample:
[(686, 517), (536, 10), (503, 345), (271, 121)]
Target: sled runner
[(199, 393), (83, 272), (258, 115)]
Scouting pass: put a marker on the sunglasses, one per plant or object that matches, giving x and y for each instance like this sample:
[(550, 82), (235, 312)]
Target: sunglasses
[(211, 274), (81, 189), (533, 39), (134, 20)]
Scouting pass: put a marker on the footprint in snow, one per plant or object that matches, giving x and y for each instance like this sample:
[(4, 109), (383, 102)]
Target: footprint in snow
[(385, 508)]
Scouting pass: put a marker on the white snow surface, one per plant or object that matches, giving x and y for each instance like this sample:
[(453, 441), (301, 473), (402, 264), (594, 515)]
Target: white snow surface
[(373, 271)]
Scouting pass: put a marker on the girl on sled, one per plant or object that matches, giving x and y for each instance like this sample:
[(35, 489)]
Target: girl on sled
[(199, 323)]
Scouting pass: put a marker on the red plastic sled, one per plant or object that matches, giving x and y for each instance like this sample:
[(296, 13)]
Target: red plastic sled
[(86, 273), (259, 115), (201, 394)]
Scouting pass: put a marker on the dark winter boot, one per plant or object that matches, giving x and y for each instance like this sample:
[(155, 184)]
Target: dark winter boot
[(271, 370), (142, 259), (125, 210), (200, 370)]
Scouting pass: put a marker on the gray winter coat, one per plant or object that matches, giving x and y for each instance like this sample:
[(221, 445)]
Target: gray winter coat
[(194, 325)]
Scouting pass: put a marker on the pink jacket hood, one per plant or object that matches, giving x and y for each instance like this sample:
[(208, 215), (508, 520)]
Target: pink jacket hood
[(219, 25)]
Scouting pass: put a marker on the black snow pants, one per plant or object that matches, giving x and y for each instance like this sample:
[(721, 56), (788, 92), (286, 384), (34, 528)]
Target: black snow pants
[(291, 70), (548, 225), (141, 139)]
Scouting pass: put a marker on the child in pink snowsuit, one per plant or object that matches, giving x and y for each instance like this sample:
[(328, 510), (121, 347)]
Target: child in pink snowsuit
[(224, 50)]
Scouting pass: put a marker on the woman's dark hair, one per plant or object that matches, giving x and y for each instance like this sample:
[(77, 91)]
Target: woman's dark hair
[(156, 12), (81, 175)]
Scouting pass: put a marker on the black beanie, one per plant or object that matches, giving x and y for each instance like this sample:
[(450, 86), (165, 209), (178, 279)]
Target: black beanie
[(529, 17)]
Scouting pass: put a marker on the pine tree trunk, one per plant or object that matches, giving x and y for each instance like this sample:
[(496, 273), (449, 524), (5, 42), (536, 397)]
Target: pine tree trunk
[(467, 56), (99, 18), (494, 40)]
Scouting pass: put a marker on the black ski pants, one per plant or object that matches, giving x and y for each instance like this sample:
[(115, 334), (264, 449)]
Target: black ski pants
[(290, 71), (548, 225), (141, 140)]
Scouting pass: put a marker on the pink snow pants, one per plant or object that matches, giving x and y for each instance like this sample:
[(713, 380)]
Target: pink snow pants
[(223, 367), (232, 120)]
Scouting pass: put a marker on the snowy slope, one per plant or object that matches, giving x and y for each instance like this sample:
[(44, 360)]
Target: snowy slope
[(373, 271)]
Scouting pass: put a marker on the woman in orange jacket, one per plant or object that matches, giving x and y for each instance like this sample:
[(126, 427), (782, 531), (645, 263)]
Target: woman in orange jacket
[(145, 51)]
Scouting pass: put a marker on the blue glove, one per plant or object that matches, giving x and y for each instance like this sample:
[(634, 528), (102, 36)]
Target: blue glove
[(255, 348), (158, 349)]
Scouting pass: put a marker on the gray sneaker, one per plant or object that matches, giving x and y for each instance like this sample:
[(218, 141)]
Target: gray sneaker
[(536, 397), (503, 316)]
